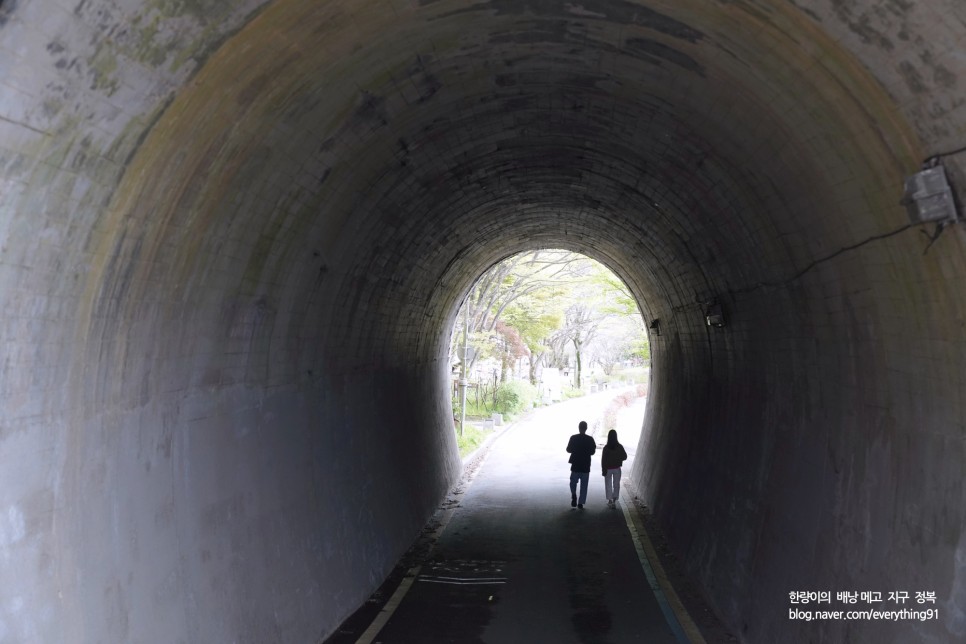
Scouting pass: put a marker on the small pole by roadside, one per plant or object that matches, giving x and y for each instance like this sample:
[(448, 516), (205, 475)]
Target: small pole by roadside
[(463, 381)]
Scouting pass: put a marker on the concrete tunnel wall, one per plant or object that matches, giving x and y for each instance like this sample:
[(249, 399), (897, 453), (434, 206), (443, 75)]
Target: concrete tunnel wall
[(234, 237)]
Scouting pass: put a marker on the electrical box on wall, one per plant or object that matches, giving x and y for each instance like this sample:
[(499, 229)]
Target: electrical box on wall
[(928, 197), (714, 315)]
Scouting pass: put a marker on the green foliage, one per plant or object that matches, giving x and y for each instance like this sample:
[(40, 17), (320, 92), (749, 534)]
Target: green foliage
[(572, 392), (514, 396), (617, 298), (472, 438), (536, 319), (554, 307), (474, 410), (640, 348)]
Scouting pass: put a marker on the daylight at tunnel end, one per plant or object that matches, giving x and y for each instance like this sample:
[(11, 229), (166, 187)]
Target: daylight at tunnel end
[(234, 238)]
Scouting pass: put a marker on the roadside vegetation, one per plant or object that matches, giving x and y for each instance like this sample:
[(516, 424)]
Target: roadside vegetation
[(540, 327), (473, 436)]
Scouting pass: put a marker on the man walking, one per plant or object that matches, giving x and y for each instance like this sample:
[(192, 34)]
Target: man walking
[(581, 448)]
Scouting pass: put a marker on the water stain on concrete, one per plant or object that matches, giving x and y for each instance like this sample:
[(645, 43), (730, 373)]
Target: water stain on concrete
[(6, 10), (912, 78)]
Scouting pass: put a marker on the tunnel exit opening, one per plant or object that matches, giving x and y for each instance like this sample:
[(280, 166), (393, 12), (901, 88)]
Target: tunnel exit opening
[(536, 328)]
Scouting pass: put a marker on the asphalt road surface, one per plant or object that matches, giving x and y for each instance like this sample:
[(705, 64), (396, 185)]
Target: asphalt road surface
[(516, 563)]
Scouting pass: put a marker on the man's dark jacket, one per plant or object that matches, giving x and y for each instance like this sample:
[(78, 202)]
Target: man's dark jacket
[(581, 448)]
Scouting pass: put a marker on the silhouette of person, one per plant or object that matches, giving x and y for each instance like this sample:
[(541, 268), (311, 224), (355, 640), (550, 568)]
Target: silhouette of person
[(611, 458), (581, 448)]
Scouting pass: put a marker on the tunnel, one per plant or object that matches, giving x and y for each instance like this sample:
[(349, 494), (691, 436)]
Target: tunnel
[(234, 237)]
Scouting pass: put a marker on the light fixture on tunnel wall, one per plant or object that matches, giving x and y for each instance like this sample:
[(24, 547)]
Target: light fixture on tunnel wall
[(714, 315), (929, 198), (655, 326)]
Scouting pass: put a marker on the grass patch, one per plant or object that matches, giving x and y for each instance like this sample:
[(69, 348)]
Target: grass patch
[(481, 410), (472, 438)]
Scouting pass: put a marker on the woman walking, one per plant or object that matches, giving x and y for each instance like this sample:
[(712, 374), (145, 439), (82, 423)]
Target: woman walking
[(611, 458)]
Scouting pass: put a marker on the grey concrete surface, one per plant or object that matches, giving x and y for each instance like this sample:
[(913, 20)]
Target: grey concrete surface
[(234, 236)]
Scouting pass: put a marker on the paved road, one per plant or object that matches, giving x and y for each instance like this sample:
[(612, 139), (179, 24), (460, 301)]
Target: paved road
[(517, 564)]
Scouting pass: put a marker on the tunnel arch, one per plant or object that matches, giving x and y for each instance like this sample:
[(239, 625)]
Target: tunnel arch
[(231, 235)]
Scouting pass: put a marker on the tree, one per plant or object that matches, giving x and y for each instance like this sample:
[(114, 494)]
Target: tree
[(520, 276), (580, 328), (509, 347), (529, 277), (617, 298), (547, 305), (607, 353), (619, 338), (535, 317)]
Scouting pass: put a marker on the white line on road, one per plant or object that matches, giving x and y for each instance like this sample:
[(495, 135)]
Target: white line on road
[(463, 582)]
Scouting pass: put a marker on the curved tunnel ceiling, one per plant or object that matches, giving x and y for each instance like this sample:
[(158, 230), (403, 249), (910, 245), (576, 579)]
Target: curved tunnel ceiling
[(235, 237), (343, 129)]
